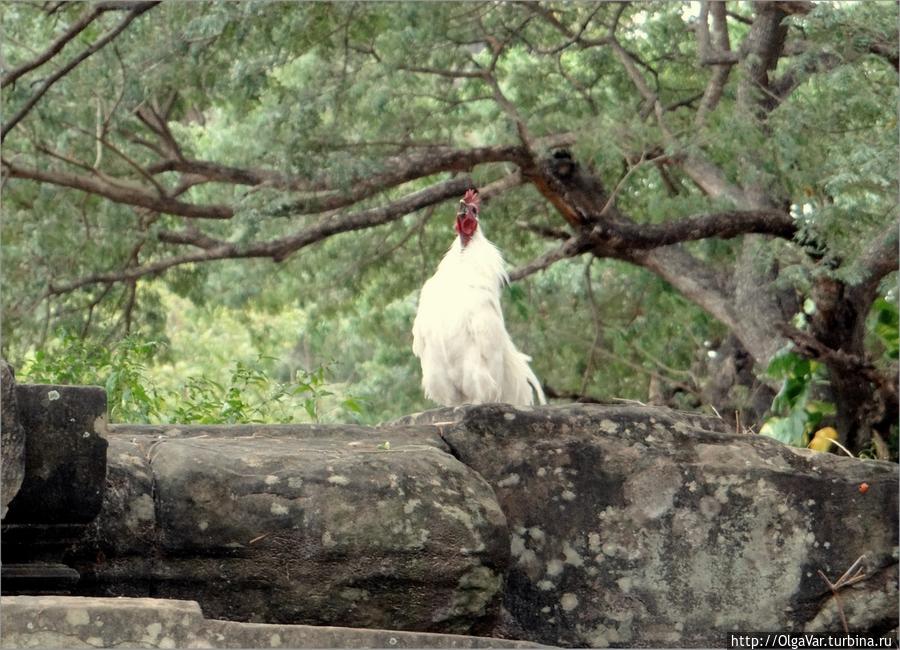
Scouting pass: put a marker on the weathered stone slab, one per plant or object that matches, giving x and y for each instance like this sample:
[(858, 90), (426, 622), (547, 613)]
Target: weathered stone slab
[(12, 439), (66, 622), (297, 524), (38, 578), (627, 526), (62, 488), (635, 526), (65, 454)]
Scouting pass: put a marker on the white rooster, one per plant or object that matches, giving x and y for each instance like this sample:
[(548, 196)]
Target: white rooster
[(459, 334)]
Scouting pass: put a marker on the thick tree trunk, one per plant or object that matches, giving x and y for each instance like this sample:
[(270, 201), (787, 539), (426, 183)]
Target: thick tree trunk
[(747, 298), (758, 304), (862, 396)]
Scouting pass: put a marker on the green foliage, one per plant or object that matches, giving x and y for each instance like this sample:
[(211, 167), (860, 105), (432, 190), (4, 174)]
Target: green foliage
[(886, 326), (295, 88), (120, 369), (517, 299), (797, 416), (247, 395)]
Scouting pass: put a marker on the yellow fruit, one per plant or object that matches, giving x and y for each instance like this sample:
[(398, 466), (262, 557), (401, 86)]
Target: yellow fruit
[(822, 440)]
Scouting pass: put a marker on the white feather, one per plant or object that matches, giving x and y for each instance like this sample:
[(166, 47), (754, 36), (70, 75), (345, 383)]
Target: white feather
[(460, 336)]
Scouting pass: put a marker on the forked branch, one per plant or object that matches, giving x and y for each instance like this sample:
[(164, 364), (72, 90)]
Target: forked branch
[(137, 9), (276, 249)]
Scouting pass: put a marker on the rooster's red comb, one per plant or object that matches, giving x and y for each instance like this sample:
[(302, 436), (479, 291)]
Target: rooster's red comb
[(471, 197)]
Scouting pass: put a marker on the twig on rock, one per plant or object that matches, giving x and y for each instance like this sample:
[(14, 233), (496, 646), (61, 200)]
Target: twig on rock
[(854, 574)]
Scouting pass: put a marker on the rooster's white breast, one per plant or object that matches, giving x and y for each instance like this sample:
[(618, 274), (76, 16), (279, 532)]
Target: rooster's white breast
[(460, 336)]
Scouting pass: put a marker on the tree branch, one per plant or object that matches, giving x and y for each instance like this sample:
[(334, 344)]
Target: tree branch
[(55, 47), (687, 274), (573, 37), (136, 196), (545, 231), (159, 125), (636, 77), (628, 235), (442, 72), (606, 232), (573, 247), (217, 173), (396, 171), (881, 257), (792, 77), (650, 246), (888, 52), (277, 249), (326, 195), (281, 249), (103, 142), (761, 49), (708, 177), (722, 54), (137, 10), (719, 77), (547, 15), (711, 179), (400, 170), (191, 237), (811, 347)]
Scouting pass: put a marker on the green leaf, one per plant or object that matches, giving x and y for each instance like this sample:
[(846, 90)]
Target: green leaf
[(782, 364), (352, 405), (887, 326), (824, 408), (310, 406), (789, 430)]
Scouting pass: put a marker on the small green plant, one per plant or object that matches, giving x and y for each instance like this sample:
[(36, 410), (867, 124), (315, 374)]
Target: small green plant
[(796, 415), (119, 368), (310, 387), (246, 395)]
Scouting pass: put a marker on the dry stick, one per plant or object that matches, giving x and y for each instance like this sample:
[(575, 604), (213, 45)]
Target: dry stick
[(62, 157), (846, 451), (845, 581)]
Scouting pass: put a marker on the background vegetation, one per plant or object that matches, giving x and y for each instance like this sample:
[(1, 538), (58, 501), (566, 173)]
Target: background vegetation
[(223, 211)]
